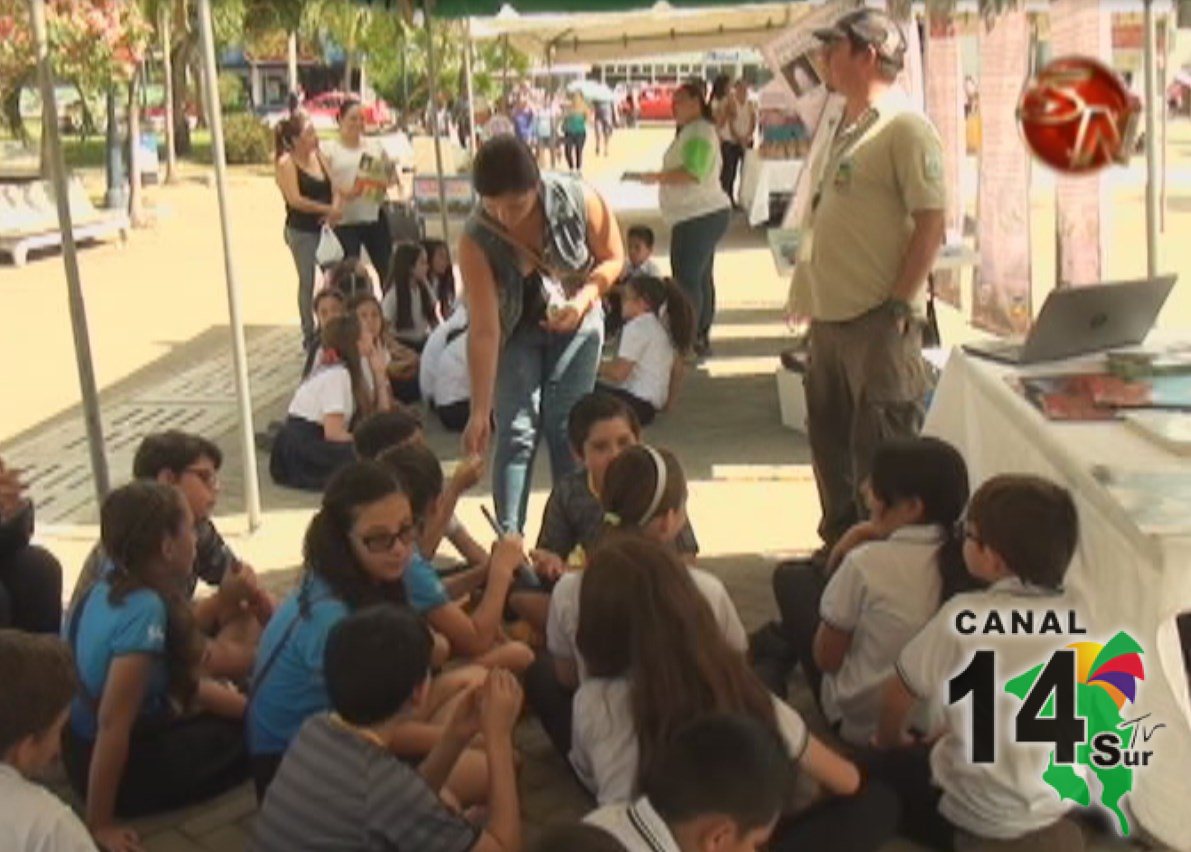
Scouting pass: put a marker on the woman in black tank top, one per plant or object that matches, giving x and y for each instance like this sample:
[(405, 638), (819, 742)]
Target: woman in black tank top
[(310, 203)]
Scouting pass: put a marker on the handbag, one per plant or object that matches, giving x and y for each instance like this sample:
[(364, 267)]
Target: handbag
[(329, 251)]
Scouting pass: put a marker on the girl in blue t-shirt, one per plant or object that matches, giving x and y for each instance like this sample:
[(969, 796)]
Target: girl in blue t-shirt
[(356, 551), (146, 732)]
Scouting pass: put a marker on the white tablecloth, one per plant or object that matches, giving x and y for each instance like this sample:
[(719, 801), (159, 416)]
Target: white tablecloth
[(759, 178), (1127, 580)]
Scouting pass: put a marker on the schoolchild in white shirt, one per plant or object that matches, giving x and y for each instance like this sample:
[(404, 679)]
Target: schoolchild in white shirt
[(656, 658), (659, 330), (443, 375), (38, 676), (886, 588), (1019, 536)]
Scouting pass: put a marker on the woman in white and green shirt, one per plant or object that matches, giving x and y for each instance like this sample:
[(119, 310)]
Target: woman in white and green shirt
[(694, 203)]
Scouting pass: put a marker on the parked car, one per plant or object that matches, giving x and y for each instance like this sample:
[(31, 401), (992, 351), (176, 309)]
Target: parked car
[(656, 103), (324, 111)]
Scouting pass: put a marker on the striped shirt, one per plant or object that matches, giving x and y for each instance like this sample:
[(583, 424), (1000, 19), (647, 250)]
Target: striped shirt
[(337, 791)]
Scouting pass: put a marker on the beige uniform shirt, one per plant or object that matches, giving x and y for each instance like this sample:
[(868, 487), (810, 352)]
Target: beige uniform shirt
[(870, 180)]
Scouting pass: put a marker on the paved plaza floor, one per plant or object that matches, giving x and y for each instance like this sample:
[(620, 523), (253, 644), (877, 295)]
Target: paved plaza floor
[(158, 316)]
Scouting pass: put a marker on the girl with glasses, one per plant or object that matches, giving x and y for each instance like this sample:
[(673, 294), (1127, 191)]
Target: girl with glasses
[(355, 554)]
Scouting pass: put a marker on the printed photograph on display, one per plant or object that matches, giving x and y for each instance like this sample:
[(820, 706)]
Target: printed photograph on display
[(803, 73)]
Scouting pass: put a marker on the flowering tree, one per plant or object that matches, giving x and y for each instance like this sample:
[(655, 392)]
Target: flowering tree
[(93, 43)]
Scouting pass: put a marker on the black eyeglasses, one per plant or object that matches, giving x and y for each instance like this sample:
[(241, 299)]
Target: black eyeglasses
[(210, 478), (382, 542)]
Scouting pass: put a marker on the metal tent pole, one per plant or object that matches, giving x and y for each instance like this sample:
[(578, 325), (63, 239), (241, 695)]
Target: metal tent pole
[(553, 107), (74, 288), (1151, 147), (432, 84), (252, 493), (471, 95)]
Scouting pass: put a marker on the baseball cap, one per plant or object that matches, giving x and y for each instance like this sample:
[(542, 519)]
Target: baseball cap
[(872, 27)]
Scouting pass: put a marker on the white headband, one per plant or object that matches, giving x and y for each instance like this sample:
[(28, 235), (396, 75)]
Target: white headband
[(659, 464)]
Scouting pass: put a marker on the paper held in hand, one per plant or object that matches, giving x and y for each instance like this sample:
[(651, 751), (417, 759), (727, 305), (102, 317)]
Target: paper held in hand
[(374, 177), (783, 245)]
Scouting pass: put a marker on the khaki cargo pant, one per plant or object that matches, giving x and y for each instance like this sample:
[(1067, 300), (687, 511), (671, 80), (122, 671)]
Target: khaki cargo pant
[(865, 383)]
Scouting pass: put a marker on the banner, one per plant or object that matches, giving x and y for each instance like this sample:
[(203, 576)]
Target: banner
[(943, 81), (1001, 297), (1081, 209)]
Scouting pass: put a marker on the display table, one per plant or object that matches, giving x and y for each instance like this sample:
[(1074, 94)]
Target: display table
[(1127, 579), (759, 178)]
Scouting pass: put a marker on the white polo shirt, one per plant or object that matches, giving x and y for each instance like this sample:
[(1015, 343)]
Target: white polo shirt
[(604, 750), (882, 594), (33, 818), (562, 623), (442, 371), (636, 825), (327, 390), (645, 341), (1007, 798)]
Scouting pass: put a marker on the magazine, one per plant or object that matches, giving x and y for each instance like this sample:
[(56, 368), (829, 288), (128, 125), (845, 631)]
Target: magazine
[(374, 176), (1101, 396), (1158, 501), (1170, 430)]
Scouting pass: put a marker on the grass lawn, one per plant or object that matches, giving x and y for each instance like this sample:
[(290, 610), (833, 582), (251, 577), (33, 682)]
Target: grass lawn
[(91, 153)]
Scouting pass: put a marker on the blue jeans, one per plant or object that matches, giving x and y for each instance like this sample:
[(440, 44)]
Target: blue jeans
[(539, 379), (692, 259)]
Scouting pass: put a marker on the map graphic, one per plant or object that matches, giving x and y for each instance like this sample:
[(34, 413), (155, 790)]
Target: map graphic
[(1107, 677)]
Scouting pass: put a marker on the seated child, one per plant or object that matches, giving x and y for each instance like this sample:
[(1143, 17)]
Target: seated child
[(599, 427), (643, 371), (341, 786), (381, 431), (38, 677), (693, 798), (356, 549), (477, 635), (147, 732), (886, 590), (445, 381), (232, 618), (442, 276), (351, 277), (316, 440), (578, 837), (644, 492), (639, 261), (30, 576), (656, 659), (392, 367), (1019, 536), (409, 305), (328, 304)]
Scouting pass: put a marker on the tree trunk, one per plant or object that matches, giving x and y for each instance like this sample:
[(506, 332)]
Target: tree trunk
[(43, 163), (180, 59), (136, 211), (171, 157), (200, 90)]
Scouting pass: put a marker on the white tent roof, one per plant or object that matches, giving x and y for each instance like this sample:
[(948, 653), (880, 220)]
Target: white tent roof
[(661, 29)]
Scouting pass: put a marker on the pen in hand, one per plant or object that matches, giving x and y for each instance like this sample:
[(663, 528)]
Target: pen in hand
[(525, 567)]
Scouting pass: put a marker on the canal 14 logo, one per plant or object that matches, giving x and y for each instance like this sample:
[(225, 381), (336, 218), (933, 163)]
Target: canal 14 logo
[(1074, 701)]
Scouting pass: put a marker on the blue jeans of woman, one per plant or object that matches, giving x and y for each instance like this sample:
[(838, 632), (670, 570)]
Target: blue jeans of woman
[(692, 258), (303, 245), (539, 379)]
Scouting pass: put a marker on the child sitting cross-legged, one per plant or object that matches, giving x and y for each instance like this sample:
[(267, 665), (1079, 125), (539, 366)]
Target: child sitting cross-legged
[(342, 787), (656, 659), (599, 427), (476, 635), (38, 677), (147, 732), (1020, 535), (644, 492), (659, 329), (886, 589)]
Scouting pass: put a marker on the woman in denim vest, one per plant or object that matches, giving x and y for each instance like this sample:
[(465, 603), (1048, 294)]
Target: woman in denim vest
[(536, 256)]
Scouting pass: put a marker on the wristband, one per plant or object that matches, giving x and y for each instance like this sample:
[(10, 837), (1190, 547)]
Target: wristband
[(899, 308)]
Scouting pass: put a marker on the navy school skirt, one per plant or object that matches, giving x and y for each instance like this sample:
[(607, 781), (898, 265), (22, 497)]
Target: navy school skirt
[(303, 458)]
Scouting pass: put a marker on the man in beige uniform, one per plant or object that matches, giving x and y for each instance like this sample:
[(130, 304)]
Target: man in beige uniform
[(869, 239)]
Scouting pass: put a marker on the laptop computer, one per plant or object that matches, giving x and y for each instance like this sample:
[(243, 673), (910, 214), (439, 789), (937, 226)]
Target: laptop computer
[(1082, 320)]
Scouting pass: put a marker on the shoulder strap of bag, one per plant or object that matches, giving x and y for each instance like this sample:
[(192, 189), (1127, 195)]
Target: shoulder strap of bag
[(72, 636), (535, 257), (259, 679)]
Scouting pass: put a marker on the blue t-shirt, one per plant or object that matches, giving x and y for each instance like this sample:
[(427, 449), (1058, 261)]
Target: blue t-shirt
[(294, 687), (136, 625), (423, 587), (524, 121)]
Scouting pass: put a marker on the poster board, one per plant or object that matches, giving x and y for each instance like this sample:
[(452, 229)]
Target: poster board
[(943, 89)]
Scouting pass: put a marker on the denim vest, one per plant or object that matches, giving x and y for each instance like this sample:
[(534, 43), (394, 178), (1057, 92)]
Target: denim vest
[(565, 247)]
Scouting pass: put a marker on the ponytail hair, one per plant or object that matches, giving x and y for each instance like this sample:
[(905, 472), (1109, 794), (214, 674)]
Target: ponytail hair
[(641, 484), (287, 132), (659, 293), (932, 471), (341, 344)]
